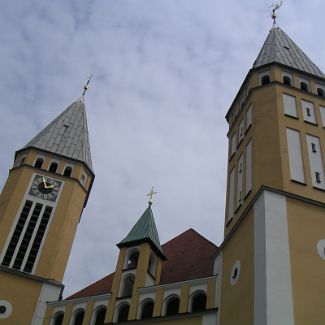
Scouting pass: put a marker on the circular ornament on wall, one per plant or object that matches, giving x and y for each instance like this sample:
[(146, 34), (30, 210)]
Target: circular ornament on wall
[(235, 272), (5, 309)]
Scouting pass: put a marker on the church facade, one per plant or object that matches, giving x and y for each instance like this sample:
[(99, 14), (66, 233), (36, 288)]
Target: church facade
[(270, 267)]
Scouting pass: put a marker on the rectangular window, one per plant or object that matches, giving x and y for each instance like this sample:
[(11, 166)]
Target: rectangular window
[(322, 114), (231, 196), (241, 131), (239, 181), (17, 233), (295, 156), (249, 167), (233, 145), (316, 161), (289, 103), (249, 117), (308, 111)]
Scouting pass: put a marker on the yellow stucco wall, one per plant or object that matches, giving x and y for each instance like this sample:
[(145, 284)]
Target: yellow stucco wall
[(237, 300), (306, 224)]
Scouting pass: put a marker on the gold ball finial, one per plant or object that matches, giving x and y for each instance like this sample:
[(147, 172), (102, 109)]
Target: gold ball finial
[(275, 6)]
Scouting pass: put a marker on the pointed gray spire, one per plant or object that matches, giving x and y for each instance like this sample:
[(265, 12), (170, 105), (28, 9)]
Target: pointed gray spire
[(67, 135), (144, 230), (279, 48)]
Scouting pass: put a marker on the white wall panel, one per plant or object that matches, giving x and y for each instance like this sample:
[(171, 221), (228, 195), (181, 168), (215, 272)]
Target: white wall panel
[(295, 156), (231, 196), (249, 167), (308, 111), (322, 114), (249, 117), (240, 170), (289, 103), (316, 161)]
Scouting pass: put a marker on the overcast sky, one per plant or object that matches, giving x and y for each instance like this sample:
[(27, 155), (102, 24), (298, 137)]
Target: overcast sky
[(165, 74)]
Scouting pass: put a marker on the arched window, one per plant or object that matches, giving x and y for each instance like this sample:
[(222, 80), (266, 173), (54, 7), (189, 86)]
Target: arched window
[(304, 86), (79, 317), (123, 313), (133, 260), (199, 302), (147, 310), (172, 306), (67, 171), (58, 318), (100, 316), (21, 161), (265, 80), (152, 265), (128, 286), (287, 80), (39, 163), (320, 92), (83, 180), (53, 167)]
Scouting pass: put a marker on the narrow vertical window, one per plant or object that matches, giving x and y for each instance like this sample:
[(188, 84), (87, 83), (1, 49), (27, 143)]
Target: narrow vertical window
[(249, 117), (17, 233), (248, 167), (39, 163), (315, 161), (308, 111), (289, 103), (231, 194), (239, 181), (295, 156), (53, 167), (241, 131), (67, 171), (322, 114)]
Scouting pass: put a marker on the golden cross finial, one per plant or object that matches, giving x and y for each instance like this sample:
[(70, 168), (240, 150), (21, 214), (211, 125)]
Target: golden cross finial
[(86, 86), (151, 194), (275, 6)]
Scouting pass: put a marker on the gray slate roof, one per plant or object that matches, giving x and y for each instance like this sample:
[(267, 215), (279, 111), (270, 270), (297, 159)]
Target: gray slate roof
[(144, 230), (279, 47), (67, 135)]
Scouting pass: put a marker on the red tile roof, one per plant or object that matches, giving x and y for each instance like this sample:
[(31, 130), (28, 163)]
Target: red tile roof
[(189, 256)]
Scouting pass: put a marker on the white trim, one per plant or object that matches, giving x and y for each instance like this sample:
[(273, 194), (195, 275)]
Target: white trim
[(273, 303)]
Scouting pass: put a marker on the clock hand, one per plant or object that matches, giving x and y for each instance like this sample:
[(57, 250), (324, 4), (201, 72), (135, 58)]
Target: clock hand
[(44, 182)]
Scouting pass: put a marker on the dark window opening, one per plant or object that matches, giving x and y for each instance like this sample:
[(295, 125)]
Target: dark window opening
[(172, 307), (79, 318), (17, 233), (147, 310), (320, 92), (304, 86), (38, 163), (265, 80), (313, 147), (67, 171), (152, 265), (287, 80), (317, 175), (123, 313), (128, 286), (53, 167), (199, 302), (3, 309), (22, 160), (235, 273), (133, 260), (58, 320), (308, 111), (100, 316)]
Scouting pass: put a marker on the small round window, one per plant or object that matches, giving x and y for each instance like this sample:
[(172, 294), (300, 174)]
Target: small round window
[(5, 309), (235, 272)]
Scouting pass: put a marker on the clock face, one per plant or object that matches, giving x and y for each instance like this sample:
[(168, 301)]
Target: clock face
[(45, 188)]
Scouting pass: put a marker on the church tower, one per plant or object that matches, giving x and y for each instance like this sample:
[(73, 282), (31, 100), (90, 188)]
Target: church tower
[(273, 255), (139, 265), (40, 208)]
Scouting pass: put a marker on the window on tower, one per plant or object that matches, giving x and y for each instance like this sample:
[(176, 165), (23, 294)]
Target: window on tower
[(198, 302), (172, 306), (304, 86), (147, 309), (132, 260), (287, 80), (265, 80), (128, 284), (100, 315), (123, 313), (39, 163), (67, 171), (53, 167), (320, 92)]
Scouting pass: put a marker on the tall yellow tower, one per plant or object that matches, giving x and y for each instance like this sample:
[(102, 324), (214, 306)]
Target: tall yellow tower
[(273, 255), (40, 208)]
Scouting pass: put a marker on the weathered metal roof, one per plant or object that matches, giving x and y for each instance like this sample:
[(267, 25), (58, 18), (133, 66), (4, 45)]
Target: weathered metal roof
[(67, 135), (144, 230), (279, 47)]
